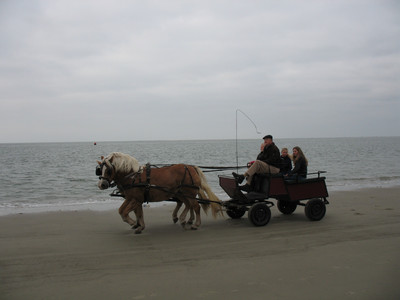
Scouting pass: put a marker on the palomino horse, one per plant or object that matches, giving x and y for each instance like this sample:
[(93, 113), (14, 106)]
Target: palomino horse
[(139, 184)]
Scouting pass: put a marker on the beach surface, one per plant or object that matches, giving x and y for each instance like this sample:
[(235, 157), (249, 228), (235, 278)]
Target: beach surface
[(352, 253)]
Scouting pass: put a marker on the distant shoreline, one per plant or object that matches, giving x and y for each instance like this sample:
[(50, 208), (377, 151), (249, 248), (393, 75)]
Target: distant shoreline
[(98, 142)]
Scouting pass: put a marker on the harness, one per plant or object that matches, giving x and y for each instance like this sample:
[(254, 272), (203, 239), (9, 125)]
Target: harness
[(148, 186)]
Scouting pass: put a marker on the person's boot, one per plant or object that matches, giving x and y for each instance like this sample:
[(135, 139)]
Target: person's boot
[(239, 178), (246, 188)]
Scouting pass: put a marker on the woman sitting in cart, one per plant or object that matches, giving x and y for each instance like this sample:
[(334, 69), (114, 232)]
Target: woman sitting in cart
[(299, 172)]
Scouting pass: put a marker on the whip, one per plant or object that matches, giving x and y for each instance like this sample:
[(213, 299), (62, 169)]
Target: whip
[(255, 126)]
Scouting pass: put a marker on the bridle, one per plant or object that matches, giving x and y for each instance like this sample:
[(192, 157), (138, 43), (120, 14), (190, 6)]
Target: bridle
[(109, 172)]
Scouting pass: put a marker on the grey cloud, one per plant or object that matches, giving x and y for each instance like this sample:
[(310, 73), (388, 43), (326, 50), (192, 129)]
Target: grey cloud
[(304, 68)]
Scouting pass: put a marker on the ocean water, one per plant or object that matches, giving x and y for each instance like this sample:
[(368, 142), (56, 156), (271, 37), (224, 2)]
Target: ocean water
[(61, 176)]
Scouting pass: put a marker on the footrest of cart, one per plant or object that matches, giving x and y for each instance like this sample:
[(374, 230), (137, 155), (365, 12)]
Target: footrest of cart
[(251, 196), (309, 180)]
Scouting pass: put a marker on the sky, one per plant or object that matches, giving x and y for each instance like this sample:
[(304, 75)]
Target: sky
[(175, 70)]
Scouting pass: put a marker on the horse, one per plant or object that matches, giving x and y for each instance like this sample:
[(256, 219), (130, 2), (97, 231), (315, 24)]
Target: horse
[(139, 184), (132, 164)]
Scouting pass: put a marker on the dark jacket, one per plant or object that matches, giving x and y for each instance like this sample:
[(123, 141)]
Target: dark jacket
[(286, 165), (300, 168), (271, 155)]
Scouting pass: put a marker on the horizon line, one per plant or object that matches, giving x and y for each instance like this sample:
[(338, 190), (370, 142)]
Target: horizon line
[(182, 140)]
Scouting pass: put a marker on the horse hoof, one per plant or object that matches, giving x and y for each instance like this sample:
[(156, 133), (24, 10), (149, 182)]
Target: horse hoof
[(134, 226), (193, 228), (137, 231), (175, 220)]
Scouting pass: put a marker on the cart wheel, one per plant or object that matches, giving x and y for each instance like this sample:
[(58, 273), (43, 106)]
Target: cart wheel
[(286, 207), (236, 213), (315, 209), (259, 214)]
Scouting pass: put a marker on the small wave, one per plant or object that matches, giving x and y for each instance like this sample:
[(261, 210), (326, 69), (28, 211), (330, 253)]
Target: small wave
[(362, 183)]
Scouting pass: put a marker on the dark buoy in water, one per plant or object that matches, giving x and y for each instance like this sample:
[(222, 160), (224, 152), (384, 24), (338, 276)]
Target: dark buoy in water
[(95, 143)]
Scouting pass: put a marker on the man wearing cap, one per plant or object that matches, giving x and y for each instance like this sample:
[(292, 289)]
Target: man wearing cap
[(268, 162)]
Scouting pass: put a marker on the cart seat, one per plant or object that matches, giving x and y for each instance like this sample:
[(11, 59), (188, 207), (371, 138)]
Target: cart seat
[(259, 187)]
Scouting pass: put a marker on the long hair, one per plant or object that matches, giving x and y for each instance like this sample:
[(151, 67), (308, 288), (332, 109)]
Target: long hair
[(123, 162), (300, 154)]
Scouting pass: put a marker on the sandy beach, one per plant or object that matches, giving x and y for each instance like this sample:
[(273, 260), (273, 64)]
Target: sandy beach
[(353, 253)]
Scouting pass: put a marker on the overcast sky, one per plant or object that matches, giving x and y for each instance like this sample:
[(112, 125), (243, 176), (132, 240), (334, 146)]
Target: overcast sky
[(165, 70)]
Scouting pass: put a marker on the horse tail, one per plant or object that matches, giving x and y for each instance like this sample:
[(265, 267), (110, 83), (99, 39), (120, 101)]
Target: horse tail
[(203, 196), (206, 193)]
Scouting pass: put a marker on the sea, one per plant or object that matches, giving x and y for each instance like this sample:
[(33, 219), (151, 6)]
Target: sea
[(41, 177)]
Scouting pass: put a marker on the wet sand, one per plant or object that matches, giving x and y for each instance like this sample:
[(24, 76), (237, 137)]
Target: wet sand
[(353, 253)]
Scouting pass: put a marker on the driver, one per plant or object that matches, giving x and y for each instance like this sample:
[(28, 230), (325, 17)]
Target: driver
[(268, 162)]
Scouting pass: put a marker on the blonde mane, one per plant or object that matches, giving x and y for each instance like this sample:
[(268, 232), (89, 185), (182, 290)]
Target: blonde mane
[(123, 162)]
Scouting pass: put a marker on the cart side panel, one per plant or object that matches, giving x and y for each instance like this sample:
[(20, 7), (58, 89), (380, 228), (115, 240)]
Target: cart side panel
[(277, 187), (310, 188)]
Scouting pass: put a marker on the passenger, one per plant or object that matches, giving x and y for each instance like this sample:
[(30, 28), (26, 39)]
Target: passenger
[(299, 171), (268, 162), (286, 162), (262, 146)]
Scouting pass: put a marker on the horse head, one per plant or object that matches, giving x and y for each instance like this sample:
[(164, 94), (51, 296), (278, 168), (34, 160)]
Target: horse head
[(114, 165), (106, 172)]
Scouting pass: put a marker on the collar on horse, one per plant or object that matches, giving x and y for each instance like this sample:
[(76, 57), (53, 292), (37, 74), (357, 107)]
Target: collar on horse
[(133, 184)]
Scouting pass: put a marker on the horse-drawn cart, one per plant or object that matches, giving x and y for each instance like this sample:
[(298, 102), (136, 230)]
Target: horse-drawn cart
[(310, 193), (186, 184)]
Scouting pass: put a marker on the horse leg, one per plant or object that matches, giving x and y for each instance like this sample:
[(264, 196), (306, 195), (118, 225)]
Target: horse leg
[(138, 209), (182, 217), (124, 211), (190, 221), (129, 209), (196, 207), (175, 212)]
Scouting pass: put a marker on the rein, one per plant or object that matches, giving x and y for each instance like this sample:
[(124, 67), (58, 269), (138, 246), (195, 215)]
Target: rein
[(209, 168)]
